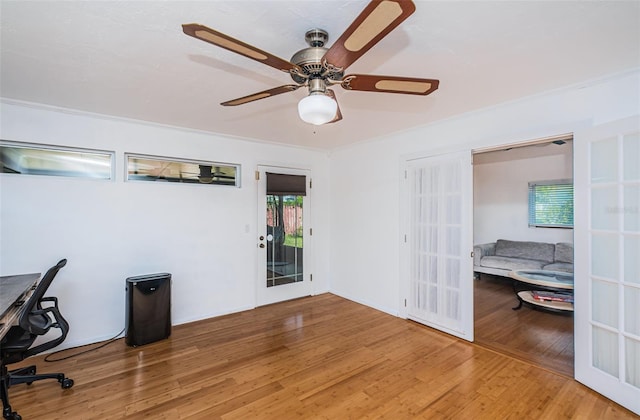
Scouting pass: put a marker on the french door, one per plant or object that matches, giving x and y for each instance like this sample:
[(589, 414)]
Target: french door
[(437, 268), (607, 260), (283, 235)]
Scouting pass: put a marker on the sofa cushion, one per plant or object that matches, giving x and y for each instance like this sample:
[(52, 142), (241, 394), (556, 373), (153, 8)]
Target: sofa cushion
[(541, 251), (510, 263), (559, 266), (564, 252)]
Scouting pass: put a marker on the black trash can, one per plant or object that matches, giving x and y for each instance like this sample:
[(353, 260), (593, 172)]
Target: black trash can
[(148, 316)]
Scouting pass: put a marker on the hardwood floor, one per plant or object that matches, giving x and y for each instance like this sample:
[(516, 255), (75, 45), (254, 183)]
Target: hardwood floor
[(319, 357), (539, 337)]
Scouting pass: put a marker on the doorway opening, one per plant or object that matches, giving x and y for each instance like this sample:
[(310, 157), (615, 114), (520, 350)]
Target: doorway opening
[(501, 212)]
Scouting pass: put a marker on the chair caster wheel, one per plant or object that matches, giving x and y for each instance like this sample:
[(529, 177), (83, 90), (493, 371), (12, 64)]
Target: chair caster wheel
[(11, 415), (66, 383), (31, 372)]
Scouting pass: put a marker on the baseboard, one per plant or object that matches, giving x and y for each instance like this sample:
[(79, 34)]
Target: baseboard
[(212, 315), (389, 311)]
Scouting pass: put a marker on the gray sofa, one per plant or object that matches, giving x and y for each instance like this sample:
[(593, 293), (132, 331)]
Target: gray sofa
[(503, 256)]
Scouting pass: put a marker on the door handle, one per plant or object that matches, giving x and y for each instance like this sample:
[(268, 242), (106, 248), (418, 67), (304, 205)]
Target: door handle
[(261, 245)]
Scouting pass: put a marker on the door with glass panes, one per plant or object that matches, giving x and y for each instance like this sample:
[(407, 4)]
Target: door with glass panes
[(283, 235), (437, 264), (607, 267)]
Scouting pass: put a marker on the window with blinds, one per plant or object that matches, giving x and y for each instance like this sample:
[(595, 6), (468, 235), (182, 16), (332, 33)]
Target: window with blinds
[(551, 203)]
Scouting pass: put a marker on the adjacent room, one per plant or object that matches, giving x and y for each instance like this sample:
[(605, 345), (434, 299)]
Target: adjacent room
[(505, 181), (271, 209)]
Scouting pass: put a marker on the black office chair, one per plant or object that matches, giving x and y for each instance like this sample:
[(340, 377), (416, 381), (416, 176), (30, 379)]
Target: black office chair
[(35, 320)]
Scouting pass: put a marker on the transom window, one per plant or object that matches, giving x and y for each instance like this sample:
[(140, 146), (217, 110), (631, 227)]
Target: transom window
[(35, 159), (159, 169)]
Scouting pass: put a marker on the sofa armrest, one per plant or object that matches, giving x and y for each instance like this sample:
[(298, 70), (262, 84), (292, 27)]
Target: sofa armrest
[(483, 250)]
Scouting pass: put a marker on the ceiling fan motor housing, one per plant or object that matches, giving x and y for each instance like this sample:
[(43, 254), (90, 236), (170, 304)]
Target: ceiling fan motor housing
[(310, 59), (316, 37)]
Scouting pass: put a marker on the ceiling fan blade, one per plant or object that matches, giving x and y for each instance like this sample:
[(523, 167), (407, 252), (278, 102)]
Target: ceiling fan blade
[(261, 95), (377, 19), (225, 41), (390, 84), (338, 116)]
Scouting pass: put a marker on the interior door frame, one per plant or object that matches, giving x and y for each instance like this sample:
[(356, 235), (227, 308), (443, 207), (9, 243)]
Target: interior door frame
[(268, 295)]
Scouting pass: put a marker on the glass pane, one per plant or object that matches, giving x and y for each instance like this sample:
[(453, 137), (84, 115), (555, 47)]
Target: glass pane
[(452, 289), (632, 355), (604, 211), (604, 302), (433, 299), (604, 161), (431, 210), (156, 169), (631, 208), (631, 307), (432, 180), (452, 177), (452, 302), (430, 240), (432, 272), (605, 351), (284, 239), (453, 239), (631, 260), (425, 265), (453, 273), (631, 156), (453, 210), (604, 252), (41, 160)]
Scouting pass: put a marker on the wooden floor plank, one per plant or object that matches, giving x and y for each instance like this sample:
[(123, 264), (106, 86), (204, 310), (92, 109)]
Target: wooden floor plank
[(536, 336), (320, 357)]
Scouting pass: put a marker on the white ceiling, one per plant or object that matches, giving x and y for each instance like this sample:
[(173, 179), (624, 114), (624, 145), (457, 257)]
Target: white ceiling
[(131, 59)]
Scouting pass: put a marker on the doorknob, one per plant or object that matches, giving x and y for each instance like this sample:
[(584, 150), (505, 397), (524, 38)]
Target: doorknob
[(261, 237), (261, 245)]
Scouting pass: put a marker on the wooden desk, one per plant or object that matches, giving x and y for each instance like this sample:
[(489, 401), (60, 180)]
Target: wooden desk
[(14, 291)]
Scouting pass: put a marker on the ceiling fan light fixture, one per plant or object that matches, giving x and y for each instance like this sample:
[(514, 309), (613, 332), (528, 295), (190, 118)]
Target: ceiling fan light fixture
[(317, 108), (205, 179), (205, 176)]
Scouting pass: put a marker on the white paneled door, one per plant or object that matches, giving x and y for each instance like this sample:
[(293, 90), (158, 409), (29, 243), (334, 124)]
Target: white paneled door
[(607, 260), (437, 263)]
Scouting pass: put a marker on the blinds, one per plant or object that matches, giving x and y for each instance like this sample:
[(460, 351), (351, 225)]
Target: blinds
[(551, 203), (282, 184)]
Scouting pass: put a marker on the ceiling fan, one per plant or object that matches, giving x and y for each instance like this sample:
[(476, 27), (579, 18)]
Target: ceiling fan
[(209, 174), (318, 68)]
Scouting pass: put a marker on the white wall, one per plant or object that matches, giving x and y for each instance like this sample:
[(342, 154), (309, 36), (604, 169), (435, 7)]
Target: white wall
[(365, 180), (113, 230), (110, 230), (501, 202)]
